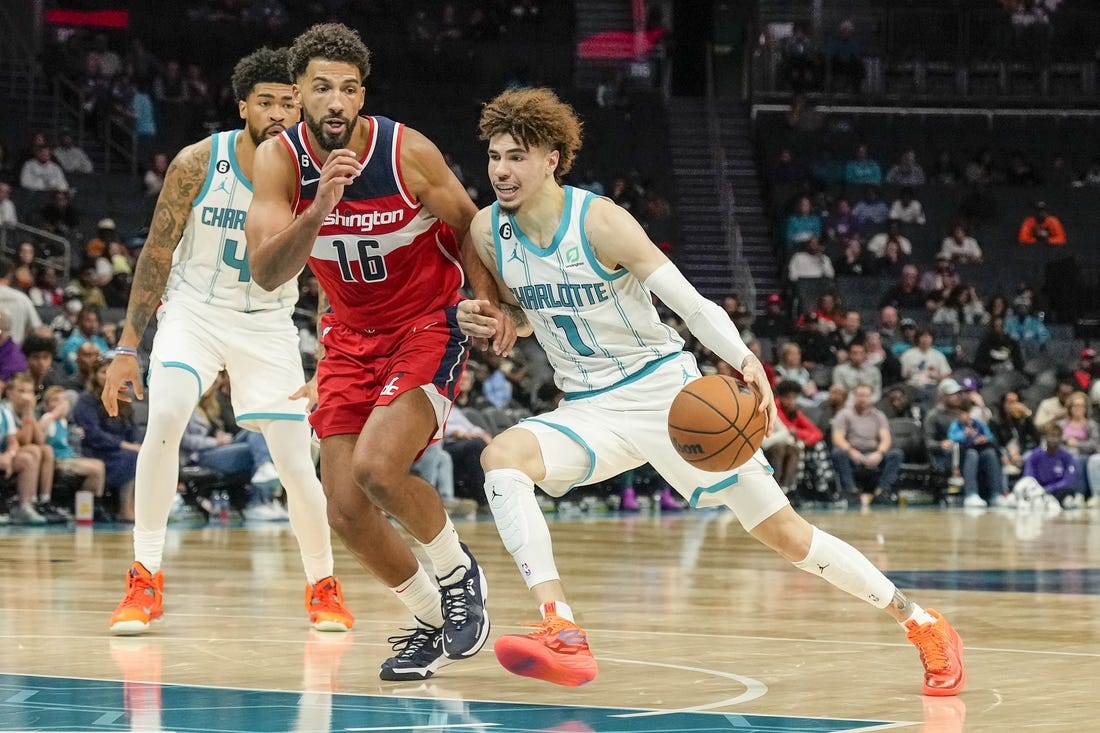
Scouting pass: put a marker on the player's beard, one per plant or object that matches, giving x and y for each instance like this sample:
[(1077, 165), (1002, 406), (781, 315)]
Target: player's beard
[(328, 141), (258, 136)]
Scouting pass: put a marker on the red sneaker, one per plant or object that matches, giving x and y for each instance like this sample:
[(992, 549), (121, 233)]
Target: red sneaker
[(556, 652), (941, 652)]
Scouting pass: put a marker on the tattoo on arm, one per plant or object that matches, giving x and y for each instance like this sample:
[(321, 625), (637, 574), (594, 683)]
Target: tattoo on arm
[(183, 180), (516, 314)]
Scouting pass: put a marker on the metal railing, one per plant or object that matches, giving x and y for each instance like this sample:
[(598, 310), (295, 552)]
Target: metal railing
[(12, 235), (67, 106), (19, 56)]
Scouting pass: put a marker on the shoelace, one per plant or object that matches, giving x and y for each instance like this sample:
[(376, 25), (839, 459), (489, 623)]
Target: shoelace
[(933, 648), (139, 587), (456, 602), (552, 626), (324, 595), (410, 645)]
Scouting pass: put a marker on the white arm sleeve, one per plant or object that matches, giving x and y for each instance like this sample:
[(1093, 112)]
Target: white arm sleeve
[(704, 318)]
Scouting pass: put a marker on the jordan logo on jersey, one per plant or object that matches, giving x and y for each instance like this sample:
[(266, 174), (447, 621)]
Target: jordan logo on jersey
[(515, 254)]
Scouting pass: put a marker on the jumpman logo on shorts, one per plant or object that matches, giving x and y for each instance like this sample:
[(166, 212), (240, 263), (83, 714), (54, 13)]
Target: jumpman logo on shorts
[(685, 375)]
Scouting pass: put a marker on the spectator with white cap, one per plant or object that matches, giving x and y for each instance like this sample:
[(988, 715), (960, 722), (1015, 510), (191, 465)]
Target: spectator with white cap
[(99, 245)]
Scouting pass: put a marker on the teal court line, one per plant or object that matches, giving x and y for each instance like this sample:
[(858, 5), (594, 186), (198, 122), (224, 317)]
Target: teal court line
[(40, 703)]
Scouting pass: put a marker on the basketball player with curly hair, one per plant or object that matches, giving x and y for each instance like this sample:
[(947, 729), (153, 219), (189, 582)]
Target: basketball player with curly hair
[(577, 271)]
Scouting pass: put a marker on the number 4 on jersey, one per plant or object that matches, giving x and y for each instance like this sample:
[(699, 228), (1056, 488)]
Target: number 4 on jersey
[(238, 262)]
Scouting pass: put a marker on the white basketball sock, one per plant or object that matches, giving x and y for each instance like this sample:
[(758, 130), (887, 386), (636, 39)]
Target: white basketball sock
[(289, 443), (522, 527), (173, 394), (847, 568), (918, 617), (446, 554), (557, 608), (421, 596)]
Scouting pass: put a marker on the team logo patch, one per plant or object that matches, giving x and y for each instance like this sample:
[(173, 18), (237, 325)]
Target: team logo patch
[(222, 166), (505, 231)]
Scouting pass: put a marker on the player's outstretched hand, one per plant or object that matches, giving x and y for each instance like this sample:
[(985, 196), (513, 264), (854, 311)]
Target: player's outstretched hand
[(752, 371), (122, 377), (309, 391)]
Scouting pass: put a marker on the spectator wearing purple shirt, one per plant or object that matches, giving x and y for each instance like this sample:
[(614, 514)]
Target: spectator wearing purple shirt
[(1052, 466)]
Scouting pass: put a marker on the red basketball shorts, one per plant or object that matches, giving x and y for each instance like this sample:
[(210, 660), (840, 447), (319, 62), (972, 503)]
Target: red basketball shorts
[(363, 370)]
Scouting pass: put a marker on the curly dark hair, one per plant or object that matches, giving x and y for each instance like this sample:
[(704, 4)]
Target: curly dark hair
[(535, 117), (330, 41), (262, 66)]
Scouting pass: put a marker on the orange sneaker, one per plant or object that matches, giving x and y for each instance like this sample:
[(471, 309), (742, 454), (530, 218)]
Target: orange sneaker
[(941, 653), (557, 652), (144, 601), (325, 604)]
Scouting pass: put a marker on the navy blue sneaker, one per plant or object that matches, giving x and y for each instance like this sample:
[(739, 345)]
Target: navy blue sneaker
[(465, 619), (419, 654)]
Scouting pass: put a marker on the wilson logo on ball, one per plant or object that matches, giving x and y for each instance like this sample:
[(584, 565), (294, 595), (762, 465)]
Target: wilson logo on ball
[(687, 450), (715, 423)]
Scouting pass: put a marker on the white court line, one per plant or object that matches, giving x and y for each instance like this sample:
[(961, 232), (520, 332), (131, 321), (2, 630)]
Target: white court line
[(753, 688), (440, 726)]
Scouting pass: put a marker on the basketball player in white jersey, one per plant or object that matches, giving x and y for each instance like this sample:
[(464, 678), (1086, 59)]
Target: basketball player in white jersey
[(213, 316), (581, 269)]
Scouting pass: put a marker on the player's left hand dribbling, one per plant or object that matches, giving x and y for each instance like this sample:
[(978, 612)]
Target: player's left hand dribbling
[(752, 371)]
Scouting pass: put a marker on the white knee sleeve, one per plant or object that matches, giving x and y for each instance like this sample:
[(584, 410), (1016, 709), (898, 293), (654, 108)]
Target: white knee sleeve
[(522, 527), (847, 568)]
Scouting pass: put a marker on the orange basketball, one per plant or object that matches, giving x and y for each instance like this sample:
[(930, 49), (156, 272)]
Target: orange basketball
[(715, 424)]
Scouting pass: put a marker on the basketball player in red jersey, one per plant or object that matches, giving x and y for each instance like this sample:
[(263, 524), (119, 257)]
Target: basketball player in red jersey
[(378, 215)]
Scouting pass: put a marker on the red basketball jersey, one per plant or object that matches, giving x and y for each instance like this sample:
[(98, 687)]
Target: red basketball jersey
[(382, 258)]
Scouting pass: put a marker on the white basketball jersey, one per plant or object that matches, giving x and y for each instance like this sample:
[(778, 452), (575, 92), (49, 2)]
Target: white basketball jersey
[(210, 265), (599, 328)]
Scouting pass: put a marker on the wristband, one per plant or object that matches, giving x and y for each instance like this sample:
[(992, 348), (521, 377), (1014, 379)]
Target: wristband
[(125, 351)]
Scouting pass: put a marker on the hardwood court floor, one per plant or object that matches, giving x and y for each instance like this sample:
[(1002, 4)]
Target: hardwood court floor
[(688, 616)]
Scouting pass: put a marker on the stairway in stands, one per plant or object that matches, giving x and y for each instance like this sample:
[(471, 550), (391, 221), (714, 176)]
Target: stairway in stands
[(36, 103), (735, 135), (703, 253)]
